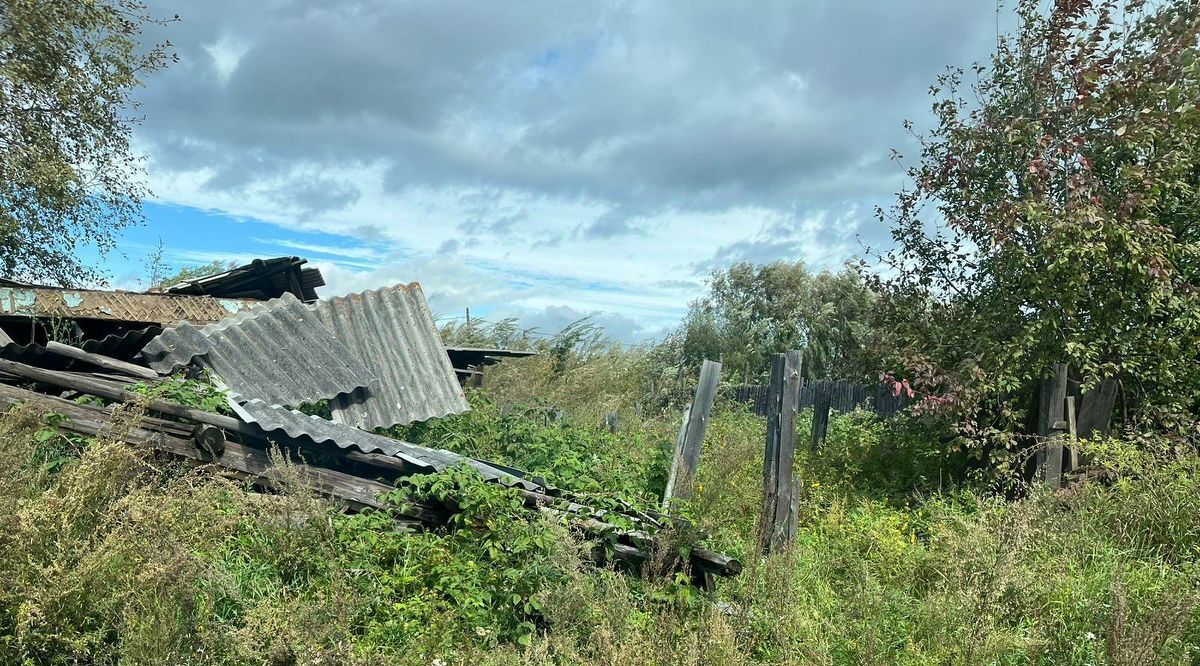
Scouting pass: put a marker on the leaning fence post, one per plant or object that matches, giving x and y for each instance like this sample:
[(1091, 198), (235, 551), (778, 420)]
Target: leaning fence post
[(691, 434), (778, 527)]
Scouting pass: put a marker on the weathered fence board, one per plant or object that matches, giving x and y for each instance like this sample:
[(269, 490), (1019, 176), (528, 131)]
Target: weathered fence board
[(691, 434), (844, 396), (778, 521), (1051, 425)]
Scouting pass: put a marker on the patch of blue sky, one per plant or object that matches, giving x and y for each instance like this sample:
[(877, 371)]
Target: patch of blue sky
[(192, 237)]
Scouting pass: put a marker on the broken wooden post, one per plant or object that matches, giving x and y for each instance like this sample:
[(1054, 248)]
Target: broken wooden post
[(778, 525), (1051, 425), (691, 434), (820, 420)]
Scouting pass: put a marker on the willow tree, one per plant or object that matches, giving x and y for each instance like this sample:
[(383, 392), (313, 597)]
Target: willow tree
[(68, 176), (1054, 215)]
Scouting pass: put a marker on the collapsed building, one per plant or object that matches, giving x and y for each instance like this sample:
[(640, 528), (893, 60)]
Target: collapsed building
[(373, 360)]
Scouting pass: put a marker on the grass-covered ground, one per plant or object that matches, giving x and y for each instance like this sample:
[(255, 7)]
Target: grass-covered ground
[(108, 555)]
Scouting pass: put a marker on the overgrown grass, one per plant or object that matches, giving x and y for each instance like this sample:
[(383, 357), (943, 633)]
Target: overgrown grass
[(108, 555)]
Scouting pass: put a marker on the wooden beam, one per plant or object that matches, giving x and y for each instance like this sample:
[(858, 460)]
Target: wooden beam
[(100, 389), (100, 360), (245, 461)]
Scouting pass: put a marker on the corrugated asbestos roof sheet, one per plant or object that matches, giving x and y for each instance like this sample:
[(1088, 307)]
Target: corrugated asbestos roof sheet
[(296, 425), (278, 352), (121, 346), (392, 331)]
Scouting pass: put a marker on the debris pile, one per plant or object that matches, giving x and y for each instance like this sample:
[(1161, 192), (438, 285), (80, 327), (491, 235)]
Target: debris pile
[(374, 359)]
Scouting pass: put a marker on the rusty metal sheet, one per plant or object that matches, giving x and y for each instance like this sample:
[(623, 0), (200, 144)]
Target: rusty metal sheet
[(298, 425), (392, 332), (277, 351), (128, 306)]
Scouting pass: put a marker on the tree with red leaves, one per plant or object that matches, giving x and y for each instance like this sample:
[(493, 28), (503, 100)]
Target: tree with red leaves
[(1054, 216)]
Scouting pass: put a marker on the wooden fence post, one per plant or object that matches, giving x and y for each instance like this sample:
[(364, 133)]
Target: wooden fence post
[(778, 524), (822, 397), (1051, 425), (1072, 434), (691, 434)]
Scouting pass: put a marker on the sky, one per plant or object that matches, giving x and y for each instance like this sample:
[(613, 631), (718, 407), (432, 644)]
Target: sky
[(541, 159)]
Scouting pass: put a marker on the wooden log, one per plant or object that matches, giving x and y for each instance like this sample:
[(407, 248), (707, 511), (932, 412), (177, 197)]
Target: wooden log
[(209, 439), (100, 360), (105, 390), (244, 461)]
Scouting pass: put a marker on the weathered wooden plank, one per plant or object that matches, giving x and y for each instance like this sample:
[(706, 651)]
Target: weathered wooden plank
[(1051, 424), (1072, 434), (1095, 409), (100, 360), (248, 462), (820, 419), (106, 390), (687, 453), (779, 456)]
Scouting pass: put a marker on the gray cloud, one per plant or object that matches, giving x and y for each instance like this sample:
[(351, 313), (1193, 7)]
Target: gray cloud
[(697, 105), (522, 114)]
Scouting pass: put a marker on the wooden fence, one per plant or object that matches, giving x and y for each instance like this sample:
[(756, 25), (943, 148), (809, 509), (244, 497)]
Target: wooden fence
[(842, 395)]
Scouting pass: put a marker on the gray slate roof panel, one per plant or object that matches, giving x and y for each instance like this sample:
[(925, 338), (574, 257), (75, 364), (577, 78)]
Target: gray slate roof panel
[(392, 331), (277, 352), (295, 425)]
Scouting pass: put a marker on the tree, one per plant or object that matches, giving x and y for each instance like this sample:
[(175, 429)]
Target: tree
[(1054, 216), (754, 311), (192, 272), (67, 173)]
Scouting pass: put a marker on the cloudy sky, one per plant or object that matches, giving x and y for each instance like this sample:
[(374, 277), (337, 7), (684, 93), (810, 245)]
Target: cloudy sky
[(545, 159)]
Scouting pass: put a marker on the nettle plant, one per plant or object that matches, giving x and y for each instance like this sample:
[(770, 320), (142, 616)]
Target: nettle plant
[(1054, 216)]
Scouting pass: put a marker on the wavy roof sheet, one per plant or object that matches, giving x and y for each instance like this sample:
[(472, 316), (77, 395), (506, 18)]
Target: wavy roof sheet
[(296, 425), (277, 352), (121, 346), (392, 331)]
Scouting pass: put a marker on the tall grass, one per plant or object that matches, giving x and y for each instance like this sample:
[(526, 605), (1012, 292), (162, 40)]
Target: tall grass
[(111, 555)]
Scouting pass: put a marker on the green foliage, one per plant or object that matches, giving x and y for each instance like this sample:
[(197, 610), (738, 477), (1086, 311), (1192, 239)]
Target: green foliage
[(196, 392), (115, 558), (192, 272), (1051, 219), (752, 312), (571, 456), (68, 70)]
